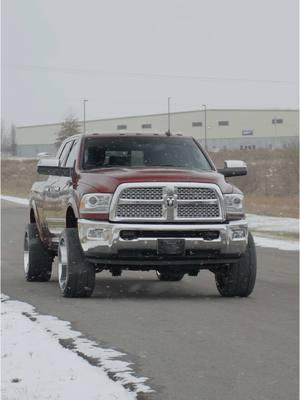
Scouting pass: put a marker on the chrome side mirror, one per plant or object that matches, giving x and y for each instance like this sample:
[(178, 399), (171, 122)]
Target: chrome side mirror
[(50, 166), (233, 168)]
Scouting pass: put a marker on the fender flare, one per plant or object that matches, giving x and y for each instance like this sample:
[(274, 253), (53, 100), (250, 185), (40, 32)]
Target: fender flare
[(72, 204), (32, 206)]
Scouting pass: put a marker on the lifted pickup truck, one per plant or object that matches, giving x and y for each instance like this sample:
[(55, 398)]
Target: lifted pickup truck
[(137, 202)]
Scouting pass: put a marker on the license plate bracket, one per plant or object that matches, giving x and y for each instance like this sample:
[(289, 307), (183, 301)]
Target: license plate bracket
[(174, 247)]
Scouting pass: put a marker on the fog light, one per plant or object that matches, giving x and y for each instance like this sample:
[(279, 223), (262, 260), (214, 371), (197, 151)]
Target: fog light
[(95, 234), (238, 234)]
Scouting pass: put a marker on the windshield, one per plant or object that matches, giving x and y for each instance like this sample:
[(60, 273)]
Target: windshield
[(143, 152)]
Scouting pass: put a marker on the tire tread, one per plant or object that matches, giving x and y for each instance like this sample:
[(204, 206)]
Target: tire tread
[(239, 279), (81, 280), (40, 259)]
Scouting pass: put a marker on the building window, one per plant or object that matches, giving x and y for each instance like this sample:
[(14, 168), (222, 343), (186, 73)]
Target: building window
[(277, 121), (146, 126), (247, 132), (120, 127), (195, 124), (223, 123)]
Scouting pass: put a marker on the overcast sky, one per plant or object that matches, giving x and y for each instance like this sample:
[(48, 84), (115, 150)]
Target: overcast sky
[(127, 56)]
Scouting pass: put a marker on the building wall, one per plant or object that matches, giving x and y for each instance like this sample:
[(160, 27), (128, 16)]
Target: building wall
[(260, 121), (31, 150), (245, 128)]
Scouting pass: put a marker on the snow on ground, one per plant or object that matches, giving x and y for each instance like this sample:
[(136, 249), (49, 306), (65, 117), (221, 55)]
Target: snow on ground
[(18, 200), (261, 224), (280, 244), (17, 158), (275, 224), (44, 359)]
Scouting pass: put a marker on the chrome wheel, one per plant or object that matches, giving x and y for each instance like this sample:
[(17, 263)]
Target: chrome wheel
[(62, 265), (26, 253)]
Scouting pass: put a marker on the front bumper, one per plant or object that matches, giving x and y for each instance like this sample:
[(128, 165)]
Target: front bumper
[(105, 241)]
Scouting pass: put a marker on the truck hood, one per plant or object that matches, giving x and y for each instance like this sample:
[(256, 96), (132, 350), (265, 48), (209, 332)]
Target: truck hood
[(106, 180)]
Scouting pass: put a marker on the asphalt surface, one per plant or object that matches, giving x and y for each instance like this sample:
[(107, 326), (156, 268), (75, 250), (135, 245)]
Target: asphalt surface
[(190, 342)]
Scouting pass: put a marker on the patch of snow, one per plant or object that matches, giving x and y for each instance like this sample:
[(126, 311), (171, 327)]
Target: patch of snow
[(4, 297), (280, 244), (17, 158), (13, 199), (43, 358), (275, 224)]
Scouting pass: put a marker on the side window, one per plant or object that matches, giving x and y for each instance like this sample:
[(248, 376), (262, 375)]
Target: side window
[(72, 154), (64, 154), (59, 151)]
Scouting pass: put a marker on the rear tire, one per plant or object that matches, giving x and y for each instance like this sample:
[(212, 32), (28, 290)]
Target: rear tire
[(239, 279), (37, 259), (170, 276), (76, 276)]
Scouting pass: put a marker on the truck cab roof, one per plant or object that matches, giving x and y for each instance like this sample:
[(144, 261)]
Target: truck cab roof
[(133, 134)]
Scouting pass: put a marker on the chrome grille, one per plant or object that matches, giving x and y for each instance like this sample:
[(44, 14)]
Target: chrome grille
[(167, 202), (187, 211), (185, 193), (139, 211), (142, 193)]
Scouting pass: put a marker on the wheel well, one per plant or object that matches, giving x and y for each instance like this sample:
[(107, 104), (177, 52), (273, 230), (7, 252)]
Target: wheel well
[(71, 220), (32, 216)]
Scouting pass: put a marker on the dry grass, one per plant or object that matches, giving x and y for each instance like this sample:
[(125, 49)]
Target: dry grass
[(272, 173), (279, 206), (17, 176), (271, 186)]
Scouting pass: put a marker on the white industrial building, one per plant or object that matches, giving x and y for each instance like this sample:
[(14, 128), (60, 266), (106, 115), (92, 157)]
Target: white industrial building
[(224, 128)]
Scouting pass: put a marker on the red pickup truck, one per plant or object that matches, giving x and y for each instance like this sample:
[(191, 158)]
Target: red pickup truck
[(138, 202)]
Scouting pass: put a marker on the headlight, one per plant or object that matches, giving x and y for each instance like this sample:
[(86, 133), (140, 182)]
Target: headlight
[(95, 203), (234, 203)]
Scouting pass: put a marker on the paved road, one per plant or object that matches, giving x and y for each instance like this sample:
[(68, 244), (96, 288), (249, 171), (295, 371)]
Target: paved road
[(191, 343)]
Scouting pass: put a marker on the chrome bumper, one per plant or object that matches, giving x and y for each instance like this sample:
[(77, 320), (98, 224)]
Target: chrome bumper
[(109, 242)]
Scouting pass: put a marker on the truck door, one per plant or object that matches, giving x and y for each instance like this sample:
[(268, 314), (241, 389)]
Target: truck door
[(64, 190), (52, 198)]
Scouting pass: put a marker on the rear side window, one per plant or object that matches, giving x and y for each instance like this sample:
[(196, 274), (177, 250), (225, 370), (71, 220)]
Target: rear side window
[(72, 154), (64, 153)]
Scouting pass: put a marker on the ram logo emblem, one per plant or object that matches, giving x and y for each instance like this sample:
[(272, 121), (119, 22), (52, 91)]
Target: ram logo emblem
[(170, 201)]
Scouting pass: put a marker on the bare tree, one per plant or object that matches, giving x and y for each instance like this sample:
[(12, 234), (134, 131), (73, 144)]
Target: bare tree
[(69, 127), (13, 140), (8, 139)]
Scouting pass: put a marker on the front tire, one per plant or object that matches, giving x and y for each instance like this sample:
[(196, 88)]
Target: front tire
[(37, 259), (170, 276), (239, 279), (76, 276)]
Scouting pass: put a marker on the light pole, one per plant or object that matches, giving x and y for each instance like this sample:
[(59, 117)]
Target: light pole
[(205, 126), (169, 121), (84, 101)]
